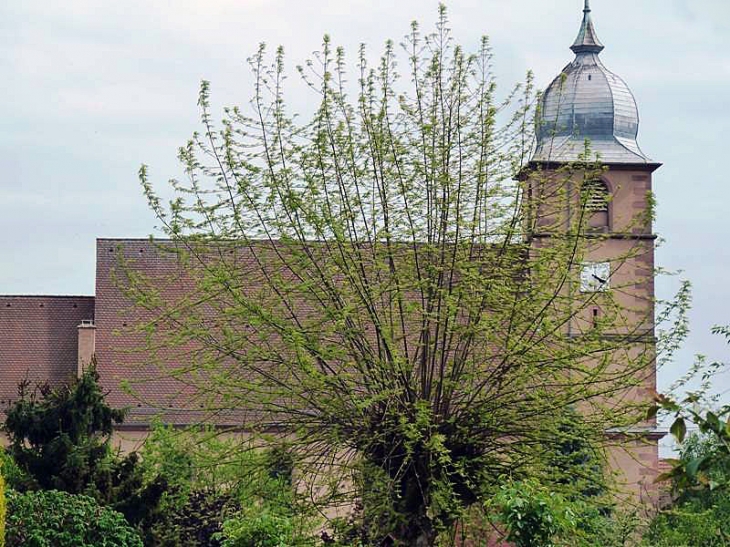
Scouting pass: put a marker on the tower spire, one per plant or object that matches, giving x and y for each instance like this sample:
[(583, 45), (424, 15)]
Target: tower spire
[(587, 40)]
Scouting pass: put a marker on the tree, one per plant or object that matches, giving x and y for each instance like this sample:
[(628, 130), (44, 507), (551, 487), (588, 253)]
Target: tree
[(60, 437), (705, 464), (700, 511), (700, 477), (366, 282)]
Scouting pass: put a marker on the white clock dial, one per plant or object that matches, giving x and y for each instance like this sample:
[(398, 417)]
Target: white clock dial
[(595, 276)]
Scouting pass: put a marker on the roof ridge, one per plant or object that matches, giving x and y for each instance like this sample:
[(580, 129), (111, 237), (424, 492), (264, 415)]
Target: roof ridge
[(47, 296)]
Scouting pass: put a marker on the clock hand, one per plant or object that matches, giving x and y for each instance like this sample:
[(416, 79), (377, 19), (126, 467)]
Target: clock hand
[(599, 279)]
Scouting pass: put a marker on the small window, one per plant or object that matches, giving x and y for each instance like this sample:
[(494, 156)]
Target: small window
[(595, 198)]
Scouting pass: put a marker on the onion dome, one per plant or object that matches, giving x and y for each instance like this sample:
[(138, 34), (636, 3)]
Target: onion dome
[(587, 102)]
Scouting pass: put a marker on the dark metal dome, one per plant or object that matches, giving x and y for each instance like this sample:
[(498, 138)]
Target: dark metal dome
[(588, 102)]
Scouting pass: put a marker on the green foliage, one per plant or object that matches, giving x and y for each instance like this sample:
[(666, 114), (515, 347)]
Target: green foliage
[(574, 461), (267, 518), (269, 514), (14, 477), (60, 437), (532, 515), (121, 485), (60, 440), (186, 474), (58, 519), (198, 458), (197, 522), (692, 524), (702, 450), (3, 510), (211, 479), (700, 477), (707, 464), (618, 529), (700, 514), (375, 284)]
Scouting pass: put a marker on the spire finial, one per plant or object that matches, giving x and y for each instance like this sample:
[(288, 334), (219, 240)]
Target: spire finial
[(587, 40)]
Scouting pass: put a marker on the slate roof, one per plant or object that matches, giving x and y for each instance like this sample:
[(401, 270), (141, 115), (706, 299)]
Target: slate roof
[(39, 339)]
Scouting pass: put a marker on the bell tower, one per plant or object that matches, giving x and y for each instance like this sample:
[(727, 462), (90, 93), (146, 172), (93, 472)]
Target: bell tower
[(586, 131)]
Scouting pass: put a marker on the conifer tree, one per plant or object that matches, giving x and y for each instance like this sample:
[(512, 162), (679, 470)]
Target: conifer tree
[(60, 436)]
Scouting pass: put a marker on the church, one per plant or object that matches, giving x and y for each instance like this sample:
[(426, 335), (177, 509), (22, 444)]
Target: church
[(52, 338)]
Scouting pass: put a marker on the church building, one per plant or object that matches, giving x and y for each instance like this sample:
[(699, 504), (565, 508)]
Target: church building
[(586, 112)]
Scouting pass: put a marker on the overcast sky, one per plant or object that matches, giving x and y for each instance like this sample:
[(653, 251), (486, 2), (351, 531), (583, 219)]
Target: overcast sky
[(93, 88)]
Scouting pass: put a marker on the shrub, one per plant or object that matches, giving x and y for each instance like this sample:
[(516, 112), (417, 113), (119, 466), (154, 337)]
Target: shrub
[(702, 521), (269, 515), (700, 514), (531, 515), (2, 511), (264, 528), (58, 519)]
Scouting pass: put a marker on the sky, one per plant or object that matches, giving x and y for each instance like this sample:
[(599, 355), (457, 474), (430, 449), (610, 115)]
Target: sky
[(94, 88)]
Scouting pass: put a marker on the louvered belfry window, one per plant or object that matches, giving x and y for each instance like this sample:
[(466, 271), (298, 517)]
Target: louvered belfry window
[(596, 198), (595, 193)]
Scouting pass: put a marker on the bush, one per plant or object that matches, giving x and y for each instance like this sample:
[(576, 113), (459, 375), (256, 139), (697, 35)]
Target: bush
[(700, 515), (58, 519), (531, 515), (13, 476), (692, 523), (264, 528), (269, 515), (2, 511)]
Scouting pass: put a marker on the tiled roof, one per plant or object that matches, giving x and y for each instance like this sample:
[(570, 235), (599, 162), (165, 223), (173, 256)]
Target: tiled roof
[(39, 339), (120, 349), (163, 382)]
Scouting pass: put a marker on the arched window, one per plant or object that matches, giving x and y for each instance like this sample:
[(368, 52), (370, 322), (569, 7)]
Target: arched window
[(595, 198)]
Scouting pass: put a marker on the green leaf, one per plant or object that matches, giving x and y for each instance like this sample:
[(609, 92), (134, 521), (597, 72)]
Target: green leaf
[(713, 422), (652, 412), (679, 429), (693, 465)]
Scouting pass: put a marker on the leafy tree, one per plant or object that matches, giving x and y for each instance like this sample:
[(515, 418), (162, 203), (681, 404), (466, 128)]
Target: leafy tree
[(58, 519), (367, 284), (14, 477), (268, 517), (60, 437), (705, 464), (574, 461), (215, 491), (698, 515), (700, 477)]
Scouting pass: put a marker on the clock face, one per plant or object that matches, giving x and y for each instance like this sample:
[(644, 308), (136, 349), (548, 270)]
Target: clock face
[(595, 276)]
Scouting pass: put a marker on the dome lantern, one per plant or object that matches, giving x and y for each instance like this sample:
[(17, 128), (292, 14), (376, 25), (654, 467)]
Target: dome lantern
[(587, 40)]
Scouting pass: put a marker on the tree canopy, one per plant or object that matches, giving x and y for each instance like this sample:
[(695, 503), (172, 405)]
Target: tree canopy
[(368, 287)]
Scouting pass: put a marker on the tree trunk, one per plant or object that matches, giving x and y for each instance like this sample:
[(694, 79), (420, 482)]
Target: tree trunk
[(427, 538), (420, 533)]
